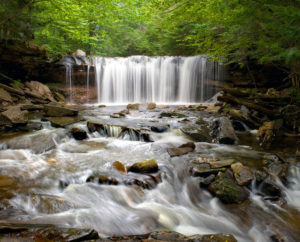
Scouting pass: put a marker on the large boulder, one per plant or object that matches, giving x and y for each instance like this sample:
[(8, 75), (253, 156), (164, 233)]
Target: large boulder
[(225, 188), (242, 174), (40, 90), (144, 167), (59, 111), (223, 131)]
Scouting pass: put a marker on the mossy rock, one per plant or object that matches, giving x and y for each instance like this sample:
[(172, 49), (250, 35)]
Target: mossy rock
[(147, 166), (227, 190)]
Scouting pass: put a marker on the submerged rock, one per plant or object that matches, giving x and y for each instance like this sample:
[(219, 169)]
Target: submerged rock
[(220, 164), (39, 142), (227, 190), (242, 174), (182, 149), (79, 134), (223, 131), (58, 111), (147, 166)]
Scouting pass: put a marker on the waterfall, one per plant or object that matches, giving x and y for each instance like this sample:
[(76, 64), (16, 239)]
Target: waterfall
[(142, 79), (69, 80)]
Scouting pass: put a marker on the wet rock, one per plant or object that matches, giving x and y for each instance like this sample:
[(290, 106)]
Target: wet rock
[(5, 96), (205, 182), (181, 150), (171, 115), (31, 126), (133, 106), (242, 174), (199, 134), (227, 190), (119, 166), (269, 188), (223, 131), (39, 142), (151, 106), (204, 170), (238, 126), (59, 111), (40, 90), (220, 164), (32, 107), (291, 117), (59, 97), (159, 129), (266, 134), (214, 238), (163, 106), (79, 134), (101, 179), (12, 90), (62, 122), (14, 115), (102, 106), (147, 166), (260, 176)]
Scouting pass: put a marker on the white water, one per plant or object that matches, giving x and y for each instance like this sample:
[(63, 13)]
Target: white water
[(177, 203), (140, 79)]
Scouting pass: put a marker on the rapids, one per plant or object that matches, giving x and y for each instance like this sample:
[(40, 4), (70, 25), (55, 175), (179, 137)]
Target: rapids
[(37, 192)]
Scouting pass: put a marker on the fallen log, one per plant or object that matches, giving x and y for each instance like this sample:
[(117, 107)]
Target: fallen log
[(231, 99)]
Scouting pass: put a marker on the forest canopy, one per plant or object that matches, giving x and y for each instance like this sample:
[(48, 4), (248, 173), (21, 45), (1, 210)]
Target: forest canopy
[(229, 30)]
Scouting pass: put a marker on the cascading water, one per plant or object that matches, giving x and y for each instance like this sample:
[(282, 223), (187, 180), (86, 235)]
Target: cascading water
[(153, 79)]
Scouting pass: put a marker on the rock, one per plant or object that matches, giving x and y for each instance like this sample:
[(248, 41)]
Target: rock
[(220, 164), (291, 117), (204, 170), (205, 182), (40, 89), (12, 90), (227, 190), (147, 166), (269, 188), (80, 53), (151, 106), (31, 126), (260, 176), (181, 150), (14, 115), (119, 166), (62, 122), (5, 96), (102, 106), (266, 134), (39, 142), (59, 97), (102, 180), (163, 106), (171, 115), (32, 107), (242, 174), (159, 129), (214, 238), (223, 131), (199, 134), (79, 134), (57, 111), (133, 106)]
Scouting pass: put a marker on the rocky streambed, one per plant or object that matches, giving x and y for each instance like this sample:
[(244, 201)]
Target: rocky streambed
[(123, 172)]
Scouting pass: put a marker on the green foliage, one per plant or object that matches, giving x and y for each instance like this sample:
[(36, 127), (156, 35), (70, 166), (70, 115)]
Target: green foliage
[(237, 31)]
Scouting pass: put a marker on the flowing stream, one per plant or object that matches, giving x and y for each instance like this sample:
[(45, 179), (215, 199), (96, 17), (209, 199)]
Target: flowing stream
[(49, 187)]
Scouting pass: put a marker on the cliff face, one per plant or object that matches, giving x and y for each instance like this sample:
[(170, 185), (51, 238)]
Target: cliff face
[(27, 61)]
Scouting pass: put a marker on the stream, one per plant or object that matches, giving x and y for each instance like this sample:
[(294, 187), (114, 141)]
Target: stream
[(50, 187)]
